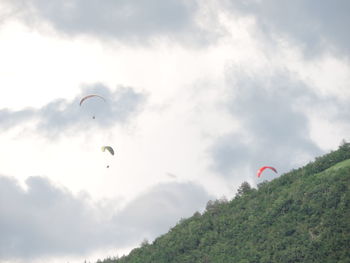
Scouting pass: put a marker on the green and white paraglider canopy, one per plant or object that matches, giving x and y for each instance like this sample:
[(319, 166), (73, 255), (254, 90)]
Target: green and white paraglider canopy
[(108, 149)]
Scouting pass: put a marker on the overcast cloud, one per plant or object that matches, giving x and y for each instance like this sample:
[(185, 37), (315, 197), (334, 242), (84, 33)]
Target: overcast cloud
[(275, 128), (63, 115), (315, 26), (126, 20), (269, 86), (47, 220)]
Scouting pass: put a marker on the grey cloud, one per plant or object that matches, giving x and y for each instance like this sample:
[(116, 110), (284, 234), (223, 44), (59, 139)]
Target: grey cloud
[(62, 115), (123, 19), (9, 119), (43, 220), (162, 206), (317, 26), (274, 129), (342, 113), (46, 220)]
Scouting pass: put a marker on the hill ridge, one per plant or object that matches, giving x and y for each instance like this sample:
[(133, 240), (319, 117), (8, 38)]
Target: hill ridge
[(302, 216)]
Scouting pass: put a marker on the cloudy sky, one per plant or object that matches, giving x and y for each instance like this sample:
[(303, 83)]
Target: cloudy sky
[(199, 94)]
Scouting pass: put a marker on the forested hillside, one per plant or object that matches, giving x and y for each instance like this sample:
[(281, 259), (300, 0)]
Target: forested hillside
[(302, 216)]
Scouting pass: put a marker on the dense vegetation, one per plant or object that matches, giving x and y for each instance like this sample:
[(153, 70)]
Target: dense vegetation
[(302, 216)]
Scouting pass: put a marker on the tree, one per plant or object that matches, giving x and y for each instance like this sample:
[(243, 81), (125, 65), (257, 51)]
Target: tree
[(144, 243), (243, 189)]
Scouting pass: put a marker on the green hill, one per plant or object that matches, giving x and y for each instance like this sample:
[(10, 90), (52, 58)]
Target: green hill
[(302, 216)]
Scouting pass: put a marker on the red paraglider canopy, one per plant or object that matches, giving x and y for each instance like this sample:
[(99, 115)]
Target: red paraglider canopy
[(265, 167)]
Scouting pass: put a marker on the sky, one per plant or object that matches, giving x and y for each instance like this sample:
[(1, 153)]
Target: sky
[(198, 95)]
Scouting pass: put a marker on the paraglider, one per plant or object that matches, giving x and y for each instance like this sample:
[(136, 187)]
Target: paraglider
[(91, 96), (263, 168), (109, 149)]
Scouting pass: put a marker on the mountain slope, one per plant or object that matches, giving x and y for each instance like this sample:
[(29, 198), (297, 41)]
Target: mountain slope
[(302, 216)]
